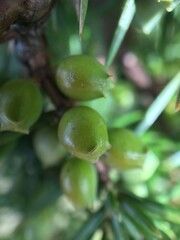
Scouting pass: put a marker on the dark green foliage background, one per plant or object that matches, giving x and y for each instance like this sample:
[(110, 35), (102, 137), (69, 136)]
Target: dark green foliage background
[(31, 202)]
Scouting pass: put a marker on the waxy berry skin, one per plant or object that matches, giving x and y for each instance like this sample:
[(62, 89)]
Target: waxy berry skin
[(82, 77), (83, 133), (127, 150), (47, 146), (20, 105), (78, 180)]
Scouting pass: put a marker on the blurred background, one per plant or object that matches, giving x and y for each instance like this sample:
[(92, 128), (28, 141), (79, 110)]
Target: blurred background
[(31, 203)]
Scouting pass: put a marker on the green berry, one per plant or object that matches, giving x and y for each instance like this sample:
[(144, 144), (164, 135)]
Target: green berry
[(78, 181), (127, 150), (20, 105), (83, 133), (82, 78), (47, 146)]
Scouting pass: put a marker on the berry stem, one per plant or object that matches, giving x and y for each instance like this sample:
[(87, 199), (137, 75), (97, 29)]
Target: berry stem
[(103, 171)]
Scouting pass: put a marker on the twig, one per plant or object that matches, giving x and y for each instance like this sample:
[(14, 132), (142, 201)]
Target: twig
[(104, 174), (30, 43), (31, 48)]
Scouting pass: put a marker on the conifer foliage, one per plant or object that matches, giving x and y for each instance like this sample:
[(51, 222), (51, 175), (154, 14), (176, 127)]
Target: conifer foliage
[(89, 120)]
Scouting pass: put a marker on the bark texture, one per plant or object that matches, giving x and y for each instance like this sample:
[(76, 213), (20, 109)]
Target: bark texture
[(23, 21), (23, 12), (9, 13), (31, 47)]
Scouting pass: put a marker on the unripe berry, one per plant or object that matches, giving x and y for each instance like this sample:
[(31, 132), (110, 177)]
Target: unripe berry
[(83, 133), (82, 78), (127, 150), (78, 181), (47, 146), (20, 105)]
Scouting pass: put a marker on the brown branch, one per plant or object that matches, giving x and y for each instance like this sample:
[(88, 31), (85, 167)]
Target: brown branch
[(23, 12), (31, 47), (9, 13), (23, 21), (8, 35)]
